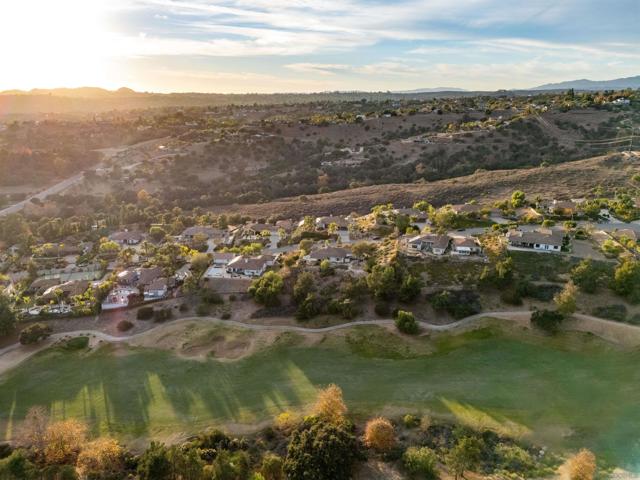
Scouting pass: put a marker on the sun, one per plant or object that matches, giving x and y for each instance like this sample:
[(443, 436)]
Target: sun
[(49, 43)]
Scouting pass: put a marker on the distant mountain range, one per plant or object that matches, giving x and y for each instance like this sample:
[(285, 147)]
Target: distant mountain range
[(433, 90), (584, 84)]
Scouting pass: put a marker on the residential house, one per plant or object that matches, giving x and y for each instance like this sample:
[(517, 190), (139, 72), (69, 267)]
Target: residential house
[(210, 234), (221, 259), (322, 223), (429, 243), (126, 237), (64, 291), (417, 216), (465, 246), (335, 255), (250, 266), (543, 239), (254, 232), (119, 298), (565, 208), (157, 289), (467, 209)]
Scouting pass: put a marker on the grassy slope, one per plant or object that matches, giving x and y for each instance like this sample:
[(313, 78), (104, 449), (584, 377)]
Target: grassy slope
[(566, 180), (513, 383)]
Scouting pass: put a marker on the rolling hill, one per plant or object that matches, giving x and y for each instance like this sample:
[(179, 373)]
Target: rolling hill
[(584, 84)]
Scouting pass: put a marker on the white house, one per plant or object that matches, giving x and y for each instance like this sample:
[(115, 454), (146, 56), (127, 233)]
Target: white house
[(250, 266), (430, 242), (544, 239), (335, 256), (465, 246), (118, 298), (156, 289)]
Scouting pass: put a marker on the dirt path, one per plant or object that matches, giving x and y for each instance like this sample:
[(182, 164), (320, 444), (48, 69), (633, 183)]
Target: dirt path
[(619, 333)]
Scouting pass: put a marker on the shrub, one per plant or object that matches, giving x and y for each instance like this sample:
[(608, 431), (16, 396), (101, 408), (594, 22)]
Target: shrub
[(511, 296), (77, 343), (34, 333), (226, 315), (380, 435), (124, 325), (547, 320), (382, 309), (202, 309), (144, 313), (330, 405), (406, 323), (211, 297), (183, 307), (266, 289), (410, 421), (421, 462), (162, 314), (322, 451), (271, 468), (617, 312), (514, 458), (582, 466)]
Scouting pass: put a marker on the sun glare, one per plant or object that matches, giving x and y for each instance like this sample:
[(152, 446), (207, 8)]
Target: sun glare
[(53, 43)]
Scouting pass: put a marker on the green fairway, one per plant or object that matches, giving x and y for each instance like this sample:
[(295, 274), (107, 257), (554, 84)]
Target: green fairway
[(569, 392)]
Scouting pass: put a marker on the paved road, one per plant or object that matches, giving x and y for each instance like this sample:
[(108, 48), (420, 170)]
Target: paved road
[(57, 188), (71, 181), (13, 355)]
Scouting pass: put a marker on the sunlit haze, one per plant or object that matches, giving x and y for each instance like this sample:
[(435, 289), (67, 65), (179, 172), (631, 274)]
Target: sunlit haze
[(302, 45)]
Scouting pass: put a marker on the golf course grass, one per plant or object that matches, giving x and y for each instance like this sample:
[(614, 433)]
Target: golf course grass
[(567, 392)]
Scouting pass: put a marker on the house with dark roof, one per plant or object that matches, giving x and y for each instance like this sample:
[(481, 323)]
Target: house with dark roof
[(126, 237)]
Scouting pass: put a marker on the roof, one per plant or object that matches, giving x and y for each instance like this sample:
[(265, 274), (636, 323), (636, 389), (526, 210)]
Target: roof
[(248, 263), (465, 242), (466, 208), (329, 252), (126, 236), (223, 256), (203, 230), (72, 288), (541, 236), (436, 241), (261, 227), (147, 275), (339, 221), (411, 212), (157, 284)]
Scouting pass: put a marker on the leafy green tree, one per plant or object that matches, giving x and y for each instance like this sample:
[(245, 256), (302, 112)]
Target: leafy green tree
[(406, 322), (305, 284), (271, 468), (464, 456), (422, 205), (186, 464), (325, 268), (547, 320), (402, 223), (626, 280), (321, 451), (382, 282), (420, 462), (266, 289), (17, 467), (157, 233), (154, 463), (410, 288), (7, 316), (34, 333), (565, 300), (308, 308), (518, 199), (586, 276)]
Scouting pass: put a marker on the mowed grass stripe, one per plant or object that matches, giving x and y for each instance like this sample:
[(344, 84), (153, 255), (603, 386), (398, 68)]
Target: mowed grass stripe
[(564, 395)]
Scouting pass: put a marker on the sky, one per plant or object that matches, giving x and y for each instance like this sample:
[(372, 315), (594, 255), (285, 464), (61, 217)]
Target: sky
[(235, 46)]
